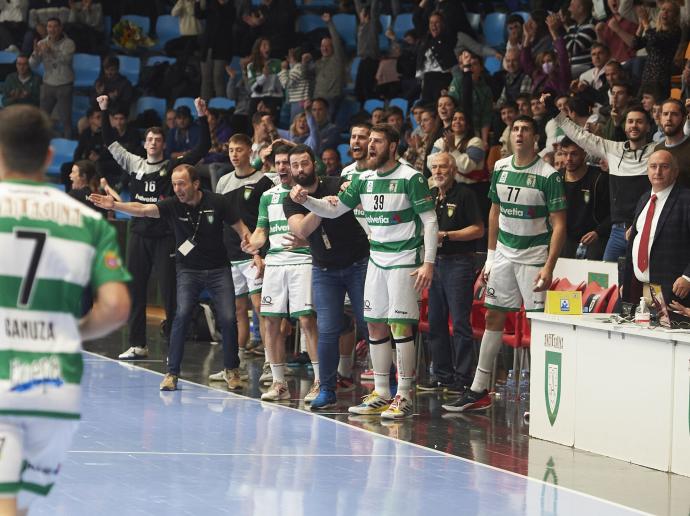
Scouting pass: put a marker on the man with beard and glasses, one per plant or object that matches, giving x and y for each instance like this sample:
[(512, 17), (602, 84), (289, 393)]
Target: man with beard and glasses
[(627, 169), (400, 211), (340, 251), (286, 290), (672, 120)]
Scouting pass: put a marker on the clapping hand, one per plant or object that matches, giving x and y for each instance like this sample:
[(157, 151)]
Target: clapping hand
[(200, 105)]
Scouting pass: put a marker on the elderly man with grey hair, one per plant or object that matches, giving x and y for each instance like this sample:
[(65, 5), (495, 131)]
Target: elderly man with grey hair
[(460, 224)]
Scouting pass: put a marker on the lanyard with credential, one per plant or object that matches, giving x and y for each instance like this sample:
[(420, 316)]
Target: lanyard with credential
[(195, 225)]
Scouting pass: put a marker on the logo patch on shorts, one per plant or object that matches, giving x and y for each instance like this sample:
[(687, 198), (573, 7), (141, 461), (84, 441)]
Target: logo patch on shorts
[(266, 301), (367, 305), (491, 292)]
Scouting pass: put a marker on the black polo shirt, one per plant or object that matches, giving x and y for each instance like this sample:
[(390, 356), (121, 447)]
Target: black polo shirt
[(335, 243), (203, 224), (457, 210)]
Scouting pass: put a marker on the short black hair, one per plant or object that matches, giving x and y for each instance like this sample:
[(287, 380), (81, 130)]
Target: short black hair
[(303, 149), (637, 108), (515, 18), (321, 99), (678, 103), (25, 134), (567, 142), (279, 149), (529, 120)]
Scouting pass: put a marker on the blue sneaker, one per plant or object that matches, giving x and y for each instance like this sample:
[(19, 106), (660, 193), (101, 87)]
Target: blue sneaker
[(326, 399)]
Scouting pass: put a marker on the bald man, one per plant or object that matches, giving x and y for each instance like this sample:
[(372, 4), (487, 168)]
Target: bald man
[(659, 242)]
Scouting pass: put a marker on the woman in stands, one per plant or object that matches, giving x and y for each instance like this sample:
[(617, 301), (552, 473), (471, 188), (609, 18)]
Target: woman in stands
[(262, 76), (551, 72), (304, 129)]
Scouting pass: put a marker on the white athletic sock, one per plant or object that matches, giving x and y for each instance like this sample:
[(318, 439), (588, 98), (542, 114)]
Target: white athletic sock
[(278, 371), (406, 361), (315, 365), (302, 341), (381, 357), (345, 366), (491, 345)]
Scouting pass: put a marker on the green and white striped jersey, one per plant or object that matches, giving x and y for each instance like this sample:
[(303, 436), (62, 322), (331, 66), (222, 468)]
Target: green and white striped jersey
[(526, 195), (272, 218), (55, 247), (391, 203), (350, 172)]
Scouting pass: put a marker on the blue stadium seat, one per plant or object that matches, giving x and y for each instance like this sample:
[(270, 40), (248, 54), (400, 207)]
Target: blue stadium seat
[(309, 22), (401, 103), (155, 103), (154, 60), (475, 20), (167, 28), (371, 104), (384, 43), (80, 104), (385, 20), (221, 103), (403, 23), (346, 25), (344, 151), (524, 14), (7, 57), (86, 69), (494, 29), (142, 21), (492, 65), (354, 66), (130, 68), (186, 101), (63, 152), (348, 108)]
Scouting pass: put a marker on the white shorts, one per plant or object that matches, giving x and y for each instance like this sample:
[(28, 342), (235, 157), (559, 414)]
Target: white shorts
[(43, 444), (244, 278), (511, 285), (287, 291), (389, 295)]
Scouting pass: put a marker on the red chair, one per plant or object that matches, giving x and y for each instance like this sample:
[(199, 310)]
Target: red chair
[(564, 284), (613, 299)]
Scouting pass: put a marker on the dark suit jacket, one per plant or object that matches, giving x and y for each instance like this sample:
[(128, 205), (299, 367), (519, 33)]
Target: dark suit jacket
[(670, 254)]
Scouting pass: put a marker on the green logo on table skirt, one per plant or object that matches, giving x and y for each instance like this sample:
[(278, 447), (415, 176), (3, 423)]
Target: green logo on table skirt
[(552, 384)]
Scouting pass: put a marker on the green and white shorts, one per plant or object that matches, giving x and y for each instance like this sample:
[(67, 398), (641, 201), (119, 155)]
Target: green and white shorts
[(244, 278), (389, 295), (286, 291), (511, 285), (31, 452)]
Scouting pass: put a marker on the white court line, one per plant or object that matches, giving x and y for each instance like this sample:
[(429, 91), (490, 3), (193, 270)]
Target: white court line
[(408, 443), (203, 454)]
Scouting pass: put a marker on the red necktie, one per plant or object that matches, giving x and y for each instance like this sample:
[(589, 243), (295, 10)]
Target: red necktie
[(643, 251)]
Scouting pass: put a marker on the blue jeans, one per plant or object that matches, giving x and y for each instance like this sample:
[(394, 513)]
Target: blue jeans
[(451, 292), (190, 283), (616, 246), (329, 287)]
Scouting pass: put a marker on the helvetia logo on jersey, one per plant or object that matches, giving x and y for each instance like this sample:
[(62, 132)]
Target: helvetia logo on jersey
[(111, 260), (27, 375)]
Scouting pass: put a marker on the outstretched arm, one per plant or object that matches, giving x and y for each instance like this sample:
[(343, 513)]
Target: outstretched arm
[(135, 209)]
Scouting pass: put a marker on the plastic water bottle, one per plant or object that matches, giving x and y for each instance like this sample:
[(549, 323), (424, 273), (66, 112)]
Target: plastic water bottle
[(511, 386), (524, 385), (642, 315), (581, 252)]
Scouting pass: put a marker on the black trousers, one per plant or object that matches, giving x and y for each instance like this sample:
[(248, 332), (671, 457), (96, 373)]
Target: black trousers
[(144, 256)]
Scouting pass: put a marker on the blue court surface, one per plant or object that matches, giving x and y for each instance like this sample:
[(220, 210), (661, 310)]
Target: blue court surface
[(200, 451)]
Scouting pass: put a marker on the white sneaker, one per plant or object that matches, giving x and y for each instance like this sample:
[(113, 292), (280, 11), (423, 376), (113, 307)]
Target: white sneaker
[(134, 353), (399, 408), (313, 392), (278, 391), (221, 377), (266, 374), (372, 404)]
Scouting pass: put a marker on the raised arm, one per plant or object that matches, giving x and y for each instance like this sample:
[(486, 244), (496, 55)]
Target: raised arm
[(135, 209), (197, 153), (591, 143)]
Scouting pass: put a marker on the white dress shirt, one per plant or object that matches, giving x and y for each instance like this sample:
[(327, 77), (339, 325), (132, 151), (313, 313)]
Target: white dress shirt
[(661, 197)]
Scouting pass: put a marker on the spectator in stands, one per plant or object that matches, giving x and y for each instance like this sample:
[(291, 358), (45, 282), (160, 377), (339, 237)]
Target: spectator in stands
[(580, 36), (445, 107), (85, 26), (515, 80), (12, 23), (594, 77), (672, 119), (331, 160), (395, 117), (185, 135), (524, 104), (435, 58), (275, 20), (56, 52), (552, 70), (262, 77), (661, 44), (261, 138), (90, 146), (621, 100), (450, 10), (658, 135), (659, 241), (470, 74), (685, 81), (216, 44), (513, 25), (627, 164), (617, 33), (541, 35), (367, 49), (126, 136), (168, 122), (190, 29), (331, 68), (329, 135), (22, 86), (304, 128), (648, 98), (420, 146), (216, 163), (112, 83), (238, 91), (377, 116), (297, 78), (508, 113), (40, 12), (587, 195)]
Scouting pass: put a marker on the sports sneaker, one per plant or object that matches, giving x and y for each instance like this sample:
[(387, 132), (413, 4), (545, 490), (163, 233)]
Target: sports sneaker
[(430, 386), (169, 382), (220, 375), (299, 360), (259, 350), (266, 374), (399, 408), (470, 401), (344, 383), (233, 379), (372, 404), (367, 374), (326, 399), (313, 392), (134, 353), (456, 388), (278, 391)]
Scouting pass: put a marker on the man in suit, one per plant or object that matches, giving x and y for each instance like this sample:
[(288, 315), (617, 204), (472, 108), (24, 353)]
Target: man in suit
[(658, 249)]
